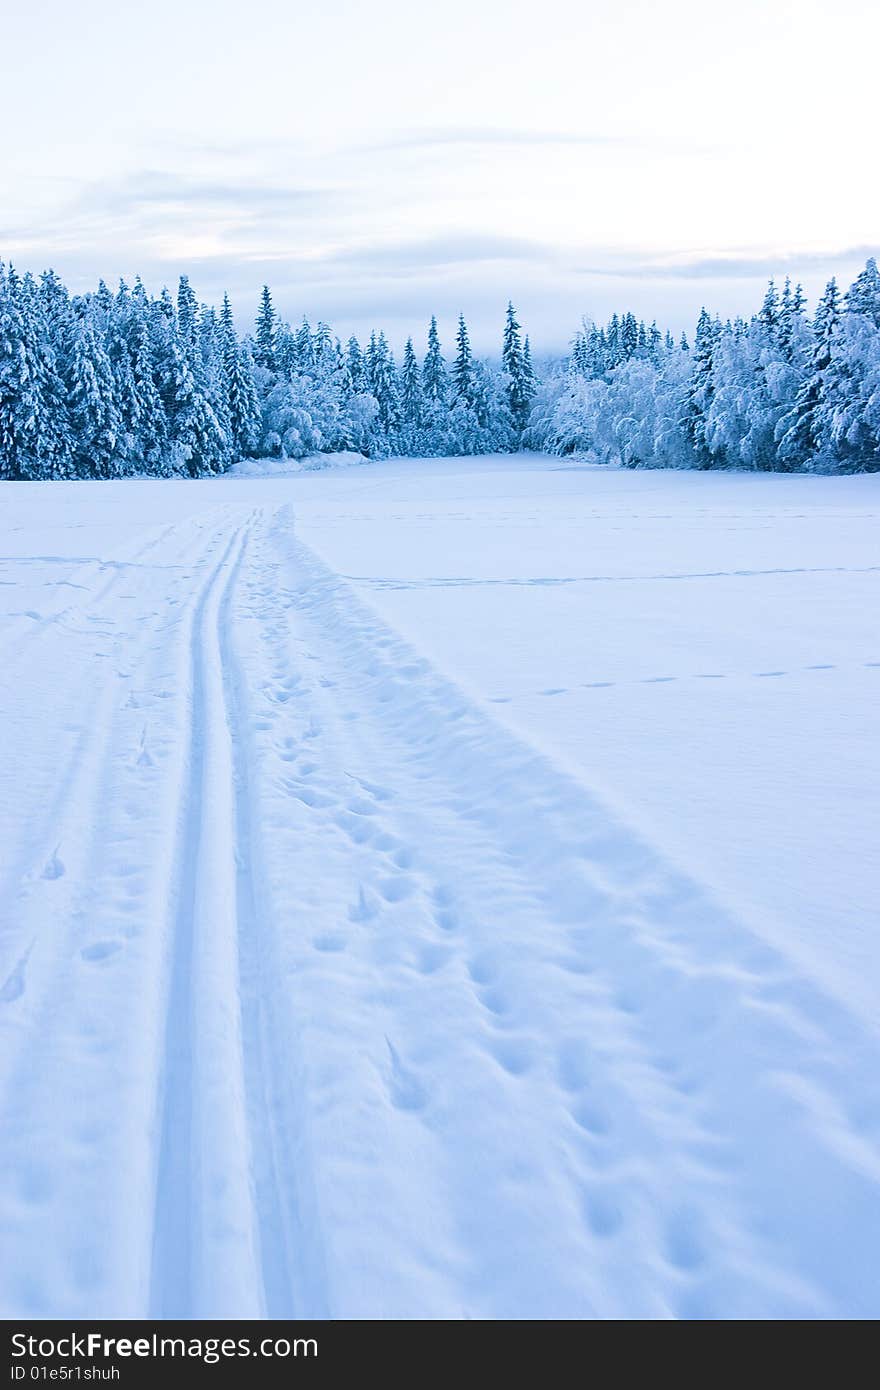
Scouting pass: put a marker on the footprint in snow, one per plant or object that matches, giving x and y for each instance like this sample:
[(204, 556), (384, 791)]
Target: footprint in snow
[(13, 986), (515, 1055), (482, 970), (144, 759), (432, 958), (54, 867), (372, 788), (590, 1118), (329, 941), (365, 909), (684, 1243), (602, 1212), (405, 1089), (100, 950), (394, 890)]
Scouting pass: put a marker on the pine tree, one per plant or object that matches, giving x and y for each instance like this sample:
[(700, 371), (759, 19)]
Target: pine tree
[(34, 438), (462, 368), (187, 314), (517, 369), (147, 412), (434, 383), (305, 347), (629, 337), (94, 413), (769, 316), (804, 434), (383, 384), (701, 389), (266, 328), (242, 405), (355, 368), (863, 295), (528, 370), (412, 399), (579, 358)]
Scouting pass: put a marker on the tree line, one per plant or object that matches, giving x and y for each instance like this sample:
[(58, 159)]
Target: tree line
[(783, 391), (111, 384)]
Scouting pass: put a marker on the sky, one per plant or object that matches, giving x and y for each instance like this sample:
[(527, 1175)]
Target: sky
[(379, 162)]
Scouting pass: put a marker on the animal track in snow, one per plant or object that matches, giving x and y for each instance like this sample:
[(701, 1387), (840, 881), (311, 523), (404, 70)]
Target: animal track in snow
[(100, 950), (54, 867), (515, 1055), (330, 942), (405, 1089), (13, 986), (602, 1212), (395, 890), (365, 909)]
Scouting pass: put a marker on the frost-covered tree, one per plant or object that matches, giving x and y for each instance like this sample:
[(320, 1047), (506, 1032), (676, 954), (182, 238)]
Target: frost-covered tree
[(264, 337), (804, 432), (34, 437), (702, 389), (240, 393), (411, 399), (463, 366), (94, 415), (863, 295), (434, 379), (517, 369)]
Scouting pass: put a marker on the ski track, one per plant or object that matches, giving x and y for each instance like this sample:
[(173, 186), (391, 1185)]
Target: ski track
[(396, 1018)]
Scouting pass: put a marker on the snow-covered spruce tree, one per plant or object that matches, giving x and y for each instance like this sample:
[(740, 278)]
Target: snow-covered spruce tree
[(381, 372), (411, 401), (187, 314), (435, 391), (852, 382), (34, 438), (852, 424), (56, 445), (264, 335), (304, 347), (863, 295), (702, 389), (197, 443), (240, 393), (94, 415), (147, 412), (434, 379), (805, 436), (518, 372), (355, 371), (463, 366), (116, 332)]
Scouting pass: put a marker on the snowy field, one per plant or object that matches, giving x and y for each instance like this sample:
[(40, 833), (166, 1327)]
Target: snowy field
[(440, 889)]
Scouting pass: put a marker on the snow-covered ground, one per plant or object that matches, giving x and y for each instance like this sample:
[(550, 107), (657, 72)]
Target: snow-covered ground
[(440, 889)]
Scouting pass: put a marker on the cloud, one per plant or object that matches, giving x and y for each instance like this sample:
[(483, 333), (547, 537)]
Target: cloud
[(149, 187), (419, 139), (433, 253), (725, 265), (148, 201)]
